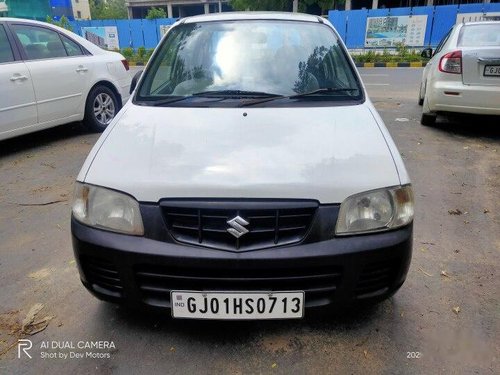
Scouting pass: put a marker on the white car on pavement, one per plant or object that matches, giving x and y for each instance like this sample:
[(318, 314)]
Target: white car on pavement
[(463, 75), (260, 179), (50, 76)]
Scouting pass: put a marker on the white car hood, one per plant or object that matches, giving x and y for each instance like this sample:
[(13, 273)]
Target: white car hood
[(322, 153)]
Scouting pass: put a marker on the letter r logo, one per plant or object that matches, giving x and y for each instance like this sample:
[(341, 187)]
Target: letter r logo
[(25, 345)]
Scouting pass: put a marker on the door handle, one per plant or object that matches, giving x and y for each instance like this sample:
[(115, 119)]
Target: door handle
[(18, 77), (81, 69)]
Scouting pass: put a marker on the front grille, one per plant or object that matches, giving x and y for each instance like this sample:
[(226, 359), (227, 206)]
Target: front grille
[(375, 279), (156, 282), (269, 224), (102, 275)]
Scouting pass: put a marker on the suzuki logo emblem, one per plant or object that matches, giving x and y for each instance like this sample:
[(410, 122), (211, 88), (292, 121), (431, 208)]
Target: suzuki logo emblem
[(237, 226)]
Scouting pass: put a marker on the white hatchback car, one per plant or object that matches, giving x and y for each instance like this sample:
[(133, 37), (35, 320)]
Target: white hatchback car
[(50, 76), (463, 75), (249, 177)]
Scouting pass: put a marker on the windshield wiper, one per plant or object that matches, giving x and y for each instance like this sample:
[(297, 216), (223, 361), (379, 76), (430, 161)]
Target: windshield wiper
[(236, 94), (297, 96), (322, 90)]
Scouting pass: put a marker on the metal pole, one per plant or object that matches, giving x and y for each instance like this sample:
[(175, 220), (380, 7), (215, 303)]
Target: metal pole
[(295, 6)]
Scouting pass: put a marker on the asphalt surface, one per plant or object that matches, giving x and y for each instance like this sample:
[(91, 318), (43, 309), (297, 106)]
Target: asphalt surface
[(445, 318)]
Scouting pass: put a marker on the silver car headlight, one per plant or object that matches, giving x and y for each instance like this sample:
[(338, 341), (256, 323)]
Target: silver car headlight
[(376, 210), (107, 209)]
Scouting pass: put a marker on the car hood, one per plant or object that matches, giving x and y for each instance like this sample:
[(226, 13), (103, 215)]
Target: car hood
[(322, 153)]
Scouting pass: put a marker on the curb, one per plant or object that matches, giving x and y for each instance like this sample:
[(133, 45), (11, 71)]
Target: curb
[(391, 65)]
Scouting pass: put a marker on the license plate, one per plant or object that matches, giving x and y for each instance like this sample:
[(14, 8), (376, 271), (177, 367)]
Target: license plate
[(492, 71), (237, 306)]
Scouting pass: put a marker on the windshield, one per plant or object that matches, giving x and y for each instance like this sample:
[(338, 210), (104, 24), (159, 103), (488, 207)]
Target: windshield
[(257, 59)]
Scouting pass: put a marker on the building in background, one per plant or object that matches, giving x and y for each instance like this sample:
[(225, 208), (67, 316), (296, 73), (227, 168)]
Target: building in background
[(81, 9), (176, 8)]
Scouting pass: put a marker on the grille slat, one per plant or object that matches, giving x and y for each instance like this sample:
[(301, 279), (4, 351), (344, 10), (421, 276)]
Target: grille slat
[(376, 278), (103, 275), (202, 224), (155, 282)]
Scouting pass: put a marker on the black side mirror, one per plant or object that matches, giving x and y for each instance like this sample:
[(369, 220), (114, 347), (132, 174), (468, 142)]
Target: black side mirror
[(133, 84), (427, 53)]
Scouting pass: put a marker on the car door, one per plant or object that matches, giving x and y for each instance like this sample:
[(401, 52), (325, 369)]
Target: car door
[(17, 97), (59, 69)]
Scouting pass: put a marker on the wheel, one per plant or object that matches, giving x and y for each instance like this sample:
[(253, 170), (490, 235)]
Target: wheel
[(428, 119), (101, 107)]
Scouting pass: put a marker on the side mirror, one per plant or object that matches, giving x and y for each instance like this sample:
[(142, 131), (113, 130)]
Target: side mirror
[(133, 84), (427, 53)]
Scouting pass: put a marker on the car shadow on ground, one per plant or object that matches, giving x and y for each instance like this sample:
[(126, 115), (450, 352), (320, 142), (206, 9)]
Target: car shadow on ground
[(471, 126), (41, 138)]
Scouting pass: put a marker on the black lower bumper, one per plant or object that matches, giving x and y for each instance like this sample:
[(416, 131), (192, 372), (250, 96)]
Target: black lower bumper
[(141, 272)]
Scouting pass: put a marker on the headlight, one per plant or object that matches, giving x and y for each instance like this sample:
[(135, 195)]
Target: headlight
[(107, 209), (376, 210)]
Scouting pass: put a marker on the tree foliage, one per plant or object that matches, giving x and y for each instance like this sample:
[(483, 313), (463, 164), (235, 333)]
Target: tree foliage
[(284, 5), (63, 22), (154, 13), (108, 9)]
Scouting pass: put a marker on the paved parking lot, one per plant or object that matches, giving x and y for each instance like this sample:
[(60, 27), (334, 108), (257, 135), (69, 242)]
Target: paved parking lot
[(445, 318)]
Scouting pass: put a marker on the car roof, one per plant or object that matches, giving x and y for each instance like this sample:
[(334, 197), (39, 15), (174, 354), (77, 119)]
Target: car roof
[(235, 16)]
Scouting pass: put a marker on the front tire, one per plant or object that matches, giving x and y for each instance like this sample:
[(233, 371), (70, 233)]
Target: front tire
[(101, 107), (428, 119)]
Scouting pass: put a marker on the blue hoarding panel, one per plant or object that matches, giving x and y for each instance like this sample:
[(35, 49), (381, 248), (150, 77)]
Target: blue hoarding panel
[(400, 11), (356, 28), (338, 20), (470, 8), (378, 12), (136, 33), (150, 32), (444, 18), (124, 38)]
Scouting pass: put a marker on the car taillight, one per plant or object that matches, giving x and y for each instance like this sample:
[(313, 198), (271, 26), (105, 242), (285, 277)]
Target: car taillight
[(125, 64), (451, 62)]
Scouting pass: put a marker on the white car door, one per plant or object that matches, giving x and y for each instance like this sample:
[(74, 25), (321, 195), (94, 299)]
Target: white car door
[(59, 69), (17, 98)]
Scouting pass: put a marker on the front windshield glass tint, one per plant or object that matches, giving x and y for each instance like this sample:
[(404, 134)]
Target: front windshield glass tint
[(250, 57)]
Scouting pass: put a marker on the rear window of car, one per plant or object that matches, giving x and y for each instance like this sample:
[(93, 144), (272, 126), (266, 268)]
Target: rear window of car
[(487, 35)]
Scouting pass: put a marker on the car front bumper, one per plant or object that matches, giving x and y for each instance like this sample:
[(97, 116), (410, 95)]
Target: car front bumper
[(141, 272)]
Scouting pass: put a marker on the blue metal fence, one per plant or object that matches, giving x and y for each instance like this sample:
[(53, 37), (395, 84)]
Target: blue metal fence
[(351, 24), (131, 33)]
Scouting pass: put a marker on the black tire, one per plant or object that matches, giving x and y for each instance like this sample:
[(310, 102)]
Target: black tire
[(101, 107), (428, 119)]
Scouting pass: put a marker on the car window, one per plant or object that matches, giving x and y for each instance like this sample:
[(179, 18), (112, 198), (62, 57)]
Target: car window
[(6, 54), (275, 57), (487, 35), (39, 43), (72, 48), (442, 42)]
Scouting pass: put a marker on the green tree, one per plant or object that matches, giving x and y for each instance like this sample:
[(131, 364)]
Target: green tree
[(108, 9), (283, 5), (276, 5), (63, 22), (154, 13)]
